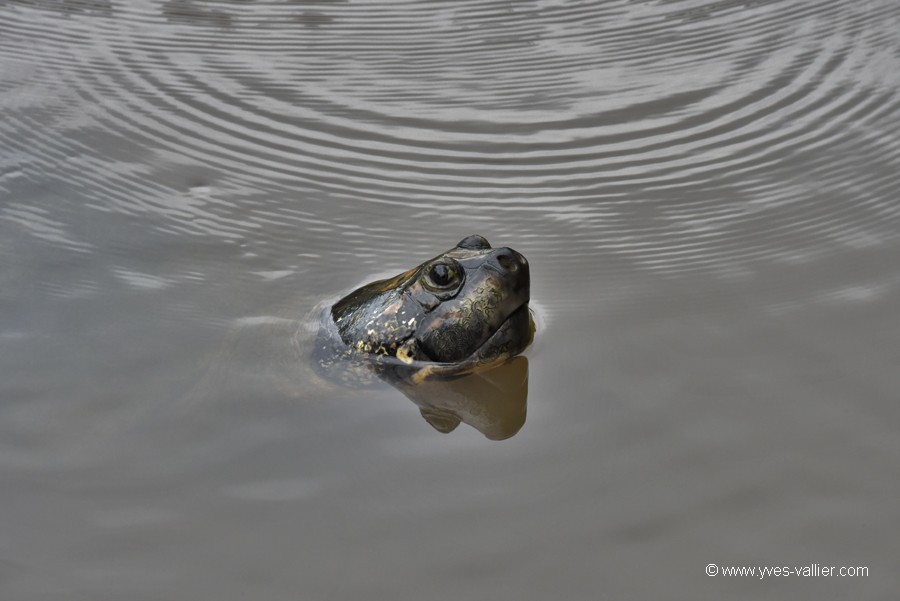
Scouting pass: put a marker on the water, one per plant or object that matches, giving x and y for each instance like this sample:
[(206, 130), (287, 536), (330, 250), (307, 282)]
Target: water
[(709, 197)]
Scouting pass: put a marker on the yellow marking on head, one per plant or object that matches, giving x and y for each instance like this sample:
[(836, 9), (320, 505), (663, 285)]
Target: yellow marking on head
[(405, 352)]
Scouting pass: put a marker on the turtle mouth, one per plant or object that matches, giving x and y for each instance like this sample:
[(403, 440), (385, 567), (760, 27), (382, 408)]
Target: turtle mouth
[(511, 338)]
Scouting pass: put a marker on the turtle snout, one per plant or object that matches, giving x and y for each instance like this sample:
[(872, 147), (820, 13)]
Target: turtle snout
[(513, 266)]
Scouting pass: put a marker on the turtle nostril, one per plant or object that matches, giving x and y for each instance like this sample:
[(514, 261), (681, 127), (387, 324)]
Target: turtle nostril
[(506, 262)]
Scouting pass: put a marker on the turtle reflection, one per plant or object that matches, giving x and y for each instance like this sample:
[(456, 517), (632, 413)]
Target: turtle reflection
[(493, 402)]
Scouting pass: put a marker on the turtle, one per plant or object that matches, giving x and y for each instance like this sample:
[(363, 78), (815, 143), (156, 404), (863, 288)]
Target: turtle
[(446, 333), (463, 311)]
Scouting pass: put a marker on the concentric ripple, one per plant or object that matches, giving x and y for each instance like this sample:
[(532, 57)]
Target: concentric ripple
[(677, 135)]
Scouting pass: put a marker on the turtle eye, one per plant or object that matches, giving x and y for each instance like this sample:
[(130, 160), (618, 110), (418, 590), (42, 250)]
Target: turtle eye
[(442, 276)]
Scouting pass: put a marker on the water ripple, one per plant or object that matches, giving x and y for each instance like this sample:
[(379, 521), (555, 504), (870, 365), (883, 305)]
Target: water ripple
[(683, 135)]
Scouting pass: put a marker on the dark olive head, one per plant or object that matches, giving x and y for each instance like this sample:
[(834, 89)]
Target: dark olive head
[(467, 305)]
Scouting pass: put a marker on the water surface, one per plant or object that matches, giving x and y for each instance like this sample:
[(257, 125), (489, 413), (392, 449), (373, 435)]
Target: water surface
[(709, 197)]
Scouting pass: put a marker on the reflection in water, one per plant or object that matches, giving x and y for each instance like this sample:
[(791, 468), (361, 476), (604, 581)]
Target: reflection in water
[(492, 402)]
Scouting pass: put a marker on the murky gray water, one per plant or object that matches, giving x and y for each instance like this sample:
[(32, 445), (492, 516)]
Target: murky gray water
[(708, 194)]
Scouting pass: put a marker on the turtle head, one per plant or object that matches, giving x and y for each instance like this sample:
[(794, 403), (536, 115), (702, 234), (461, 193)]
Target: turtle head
[(465, 307)]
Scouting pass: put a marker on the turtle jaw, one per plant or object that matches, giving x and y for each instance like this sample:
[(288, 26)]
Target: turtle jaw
[(511, 338)]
